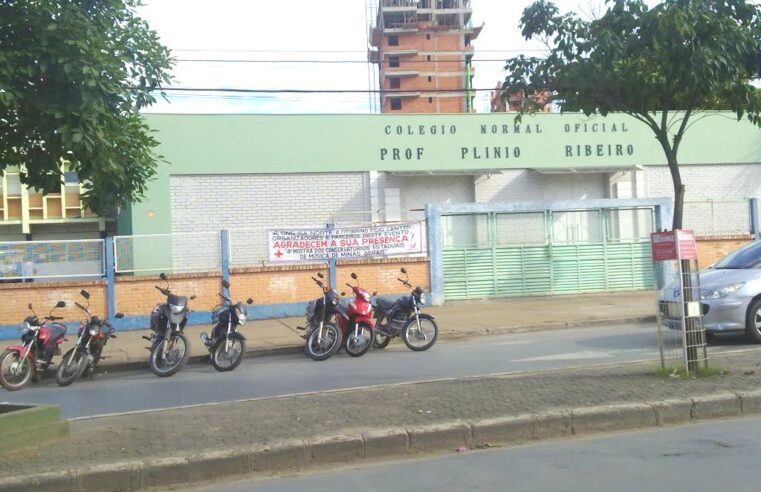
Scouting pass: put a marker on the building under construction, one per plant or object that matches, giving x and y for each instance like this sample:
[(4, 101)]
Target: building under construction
[(423, 51)]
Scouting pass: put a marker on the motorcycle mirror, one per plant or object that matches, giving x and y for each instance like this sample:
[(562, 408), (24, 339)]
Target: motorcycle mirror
[(343, 294), (163, 276), (249, 301), (375, 293), (60, 304), (85, 294), (404, 270), (319, 274), (30, 306), (192, 297), (119, 315), (225, 284), (354, 275)]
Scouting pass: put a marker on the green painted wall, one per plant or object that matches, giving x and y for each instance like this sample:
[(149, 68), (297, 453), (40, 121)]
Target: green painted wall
[(221, 144)]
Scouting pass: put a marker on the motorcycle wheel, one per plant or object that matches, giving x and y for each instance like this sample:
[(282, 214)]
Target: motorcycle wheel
[(177, 355), (227, 359), (381, 341), (13, 382), (423, 338), (358, 347), (331, 341), (71, 367)]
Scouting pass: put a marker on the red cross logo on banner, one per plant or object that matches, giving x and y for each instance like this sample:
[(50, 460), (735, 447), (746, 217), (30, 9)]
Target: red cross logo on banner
[(278, 253)]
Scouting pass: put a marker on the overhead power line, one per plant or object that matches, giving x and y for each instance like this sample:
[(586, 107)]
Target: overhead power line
[(222, 60), (316, 91)]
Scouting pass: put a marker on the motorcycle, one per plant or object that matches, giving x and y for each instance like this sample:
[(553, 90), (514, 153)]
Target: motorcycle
[(169, 348), (20, 364), (83, 358), (226, 346), (356, 321), (402, 318), (323, 338)]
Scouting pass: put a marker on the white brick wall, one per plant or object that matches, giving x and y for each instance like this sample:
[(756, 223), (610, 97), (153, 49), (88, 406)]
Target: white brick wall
[(716, 197), (257, 202), (521, 185)]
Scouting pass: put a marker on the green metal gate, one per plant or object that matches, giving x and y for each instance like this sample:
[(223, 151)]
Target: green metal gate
[(546, 253)]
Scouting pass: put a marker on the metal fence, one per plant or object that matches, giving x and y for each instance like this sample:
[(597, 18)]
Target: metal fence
[(717, 217), (51, 260), (148, 254)]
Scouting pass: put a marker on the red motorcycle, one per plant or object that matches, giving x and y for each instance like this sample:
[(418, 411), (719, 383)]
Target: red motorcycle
[(356, 321), (20, 364)]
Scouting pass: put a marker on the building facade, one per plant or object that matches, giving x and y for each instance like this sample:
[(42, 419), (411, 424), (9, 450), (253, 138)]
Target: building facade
[(28, 215), (423, 51), (257, 172)]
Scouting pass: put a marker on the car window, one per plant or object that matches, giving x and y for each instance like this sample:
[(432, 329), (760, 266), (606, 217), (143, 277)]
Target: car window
[(748, 256)]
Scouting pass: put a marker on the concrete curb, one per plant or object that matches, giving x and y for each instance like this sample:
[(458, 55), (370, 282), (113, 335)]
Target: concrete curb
[(105, 366), (356, 446)]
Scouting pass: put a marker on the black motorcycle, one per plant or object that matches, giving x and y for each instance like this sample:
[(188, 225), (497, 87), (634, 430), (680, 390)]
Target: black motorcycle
[(84, 357), (323, 337), (169, 348), (226, 346), (403, 318)]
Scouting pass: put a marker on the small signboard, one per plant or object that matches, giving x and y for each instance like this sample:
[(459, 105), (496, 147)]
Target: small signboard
[(673, 245), (289, 245)]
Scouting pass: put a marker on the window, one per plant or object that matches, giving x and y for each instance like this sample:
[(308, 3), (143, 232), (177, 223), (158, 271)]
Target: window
[(396, 104), (428, 37), (429, 57), (430, 100), (396, 82), (393, 61), (70, 177), (393, 40), (430, 79)]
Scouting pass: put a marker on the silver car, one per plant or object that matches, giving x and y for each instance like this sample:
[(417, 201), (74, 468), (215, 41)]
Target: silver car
[(730, 292)]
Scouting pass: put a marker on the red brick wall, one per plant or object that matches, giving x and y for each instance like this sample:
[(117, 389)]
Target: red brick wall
[(381, 275), (712, 249), (136, 296), (14, 299)]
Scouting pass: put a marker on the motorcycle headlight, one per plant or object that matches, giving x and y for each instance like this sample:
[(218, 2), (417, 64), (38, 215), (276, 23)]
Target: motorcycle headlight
[(25, 327), (723, 292), (241, 317), (421, 300), (176, 308), (94, 331)]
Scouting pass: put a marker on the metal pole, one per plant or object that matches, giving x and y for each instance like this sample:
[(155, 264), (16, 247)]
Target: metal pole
[(332, 264), (754, 219), (224, 244), (110, 278)]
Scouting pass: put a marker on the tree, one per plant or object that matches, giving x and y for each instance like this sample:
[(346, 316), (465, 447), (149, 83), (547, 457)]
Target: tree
[(74, 75), (660, 65)]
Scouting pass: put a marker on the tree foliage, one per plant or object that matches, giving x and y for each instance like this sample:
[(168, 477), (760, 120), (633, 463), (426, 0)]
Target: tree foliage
[(73, 76), (661, 65)]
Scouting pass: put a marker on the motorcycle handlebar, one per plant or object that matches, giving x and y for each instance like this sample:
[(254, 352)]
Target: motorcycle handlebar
[(81, 307), (54, 318), (166, 292), (318, 282), (404, 282)]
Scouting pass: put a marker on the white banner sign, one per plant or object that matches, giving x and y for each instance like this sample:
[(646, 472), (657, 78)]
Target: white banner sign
[(343, 243)]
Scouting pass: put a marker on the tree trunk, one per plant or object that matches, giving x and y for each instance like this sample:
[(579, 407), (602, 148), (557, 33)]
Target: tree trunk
[(676, 178)]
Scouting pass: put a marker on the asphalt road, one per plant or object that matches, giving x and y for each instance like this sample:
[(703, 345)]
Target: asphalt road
[(697, 457), (288, 374)]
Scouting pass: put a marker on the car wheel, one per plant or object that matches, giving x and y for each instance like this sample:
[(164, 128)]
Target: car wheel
[(753, 321)]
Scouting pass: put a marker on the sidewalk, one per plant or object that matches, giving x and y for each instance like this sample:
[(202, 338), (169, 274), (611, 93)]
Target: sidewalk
[(266, 436), (455, 320)]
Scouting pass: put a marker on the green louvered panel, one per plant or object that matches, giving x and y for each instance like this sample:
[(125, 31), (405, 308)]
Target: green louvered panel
[(468, 273), (568, 268), (479, 278), (629, 266), (455, 266), (523, 271)]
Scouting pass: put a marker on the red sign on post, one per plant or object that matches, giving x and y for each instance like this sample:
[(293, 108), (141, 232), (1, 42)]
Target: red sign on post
[(673, 245)]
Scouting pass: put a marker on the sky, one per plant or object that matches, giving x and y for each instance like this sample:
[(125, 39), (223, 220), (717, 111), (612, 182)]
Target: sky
[(280, 36)]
